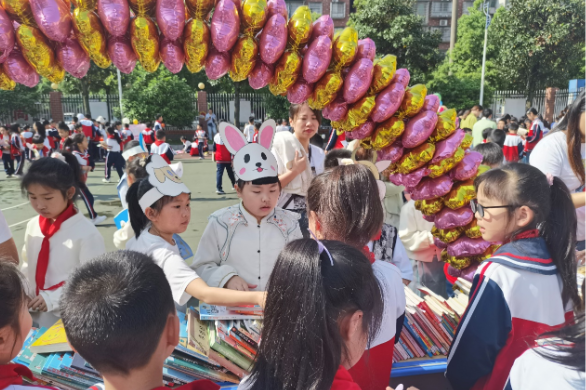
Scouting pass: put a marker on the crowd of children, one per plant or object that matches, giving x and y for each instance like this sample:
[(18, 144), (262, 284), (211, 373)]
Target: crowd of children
[(308, 240)]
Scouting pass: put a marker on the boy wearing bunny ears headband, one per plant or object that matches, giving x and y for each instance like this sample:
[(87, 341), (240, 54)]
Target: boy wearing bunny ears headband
[(240, 245)]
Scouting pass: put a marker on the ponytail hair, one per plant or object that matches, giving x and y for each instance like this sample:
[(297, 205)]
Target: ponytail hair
[(73, 141), (302, 347), (569, 353), (554, 214), (112, 131), (71, 160)]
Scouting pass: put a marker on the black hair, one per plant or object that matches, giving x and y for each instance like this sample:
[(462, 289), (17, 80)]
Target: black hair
[(26, 127), (160, 134), (310, 354), (513, 126), (507, 117), (514, 119), (38, 139), (46, 122), (294, 109), (114, 310), (467, 130), (52, 173), (15, 128), (40, 129), (112, 131), (532, 110), (126, 126), (131, 144), (251, 119), (492, 154), (331, 159), (183, 138), (498, 137), (13, 293), (137, 168), (346, 201), (78, 126), (76, 168), (259, 182), (257, 125), (502, 120), (75, 119), (486, 132), (158, 116), (317, 140), (554, 214), (149, 125), (63, 126), (73, 141), (570, 352), (486, 112)]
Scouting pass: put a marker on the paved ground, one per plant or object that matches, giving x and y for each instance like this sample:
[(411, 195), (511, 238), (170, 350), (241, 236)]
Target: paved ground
[(200, 177)]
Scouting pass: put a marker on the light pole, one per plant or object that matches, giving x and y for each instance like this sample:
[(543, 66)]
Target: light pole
[(120, 92), (485, 9)]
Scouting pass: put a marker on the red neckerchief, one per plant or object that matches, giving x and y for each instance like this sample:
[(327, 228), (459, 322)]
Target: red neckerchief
[(533, 233), (110, 136), (367, 251), (343, 381), (159, 142), (11, 374), (48, 229), (202, 384)]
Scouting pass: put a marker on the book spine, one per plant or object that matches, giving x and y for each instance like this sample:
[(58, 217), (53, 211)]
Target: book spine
[(407, 350), (233, 368), (417, 338), (249, 335), (429, 331), (234, 356), (242, 342), (231, 342), (435, 323), (245, 338), (430, 344), (414, 345), (194, 360)]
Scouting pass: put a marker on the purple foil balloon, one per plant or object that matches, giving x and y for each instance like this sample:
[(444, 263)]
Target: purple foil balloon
[(439, 243), (391, 153), (358, 80), (7, 37), (447, 218), (53, 18), (336, 110), (366, 49), (170, 18), (317, 59), (121, 53), (419, 128), (115, 15), (172, 54), (273, 39), (72, 57), (447, 147), (468, 167), (299, 92), (388, 102), (19, 70), (432, 188), (409, 180), (217, 64), (261, 75), (364, 130), (429, 218), (466, 273), (324, 25), (402, 76), (225, 26), (277, 7), (431, 103), (466, 247)]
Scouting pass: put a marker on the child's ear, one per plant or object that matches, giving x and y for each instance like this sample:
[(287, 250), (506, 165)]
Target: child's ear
[(70, 193), (172, 333), (524, 216), (150, 214)]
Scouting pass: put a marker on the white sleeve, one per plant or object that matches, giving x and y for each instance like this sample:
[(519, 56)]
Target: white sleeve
[(80, 160), (412, 238), (281, 168), (547, 156), (5, 233), (178, 273), (92, 247), (207, 261), (401, 260), (122, 235)]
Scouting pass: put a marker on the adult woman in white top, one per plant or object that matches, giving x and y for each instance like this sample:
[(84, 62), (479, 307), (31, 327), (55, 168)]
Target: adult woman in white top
[(562, 154), (299, 161)]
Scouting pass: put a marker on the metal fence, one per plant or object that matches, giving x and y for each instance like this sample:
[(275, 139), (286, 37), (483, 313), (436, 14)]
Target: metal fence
[(223, 104), (74, 104), (504, 101)]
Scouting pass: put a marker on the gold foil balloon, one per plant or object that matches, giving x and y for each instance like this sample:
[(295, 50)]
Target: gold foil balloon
[(19, 11), (413, 100), (6, 82), (447, 164), (472, 230), (446, 235), (357, 115), (467, 141), (200, 9), (244, 56), (286, 73), (456, 262), (445, 126), (482, 169), (91, 36), (384, 70), (38, 53), (86, 5), (145, 42), (415, 158), (196, 44), (488, 254), (345, 47), (325, 90), (254, 16), (143, 7), (299, 27), (429, 206), (387, 132), (460, 195)]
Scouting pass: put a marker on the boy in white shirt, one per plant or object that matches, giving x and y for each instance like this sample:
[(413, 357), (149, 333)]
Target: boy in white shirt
[(249, 129), (162, 148)]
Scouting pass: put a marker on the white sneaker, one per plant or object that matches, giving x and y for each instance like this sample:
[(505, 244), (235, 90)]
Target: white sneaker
[(105, 180), (99, 219)]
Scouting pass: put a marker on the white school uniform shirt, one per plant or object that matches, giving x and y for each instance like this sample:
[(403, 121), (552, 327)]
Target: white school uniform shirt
[(76, 242), (533, 371), (168, 257), (281, 128), (550, 155), (5, 233), (248, 133), (186, 145), (398, 257), (234, 243), (113, 144), (415, 234)]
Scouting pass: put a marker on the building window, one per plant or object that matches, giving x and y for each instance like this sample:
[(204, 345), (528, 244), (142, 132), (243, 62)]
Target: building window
[(466, 5), (292, 6), (444, 31), (316, 7), (338, 10), (441, 9), (422, 9)]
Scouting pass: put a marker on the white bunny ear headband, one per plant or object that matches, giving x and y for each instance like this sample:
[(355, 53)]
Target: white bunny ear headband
[(254, 161), (375, 167), (165, 182)]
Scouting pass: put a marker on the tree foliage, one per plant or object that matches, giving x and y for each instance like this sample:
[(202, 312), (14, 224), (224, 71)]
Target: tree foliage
[(459, 93), (396, 30), (21, 98), (277, 107)]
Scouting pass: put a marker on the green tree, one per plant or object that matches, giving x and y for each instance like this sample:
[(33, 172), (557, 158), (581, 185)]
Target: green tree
[(147, 94), (459, 93), (540, 43), (396, 30), (277, 107), (21, 98)]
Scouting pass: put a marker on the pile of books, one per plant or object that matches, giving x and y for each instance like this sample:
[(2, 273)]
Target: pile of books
[(430, 324), (220, 346)]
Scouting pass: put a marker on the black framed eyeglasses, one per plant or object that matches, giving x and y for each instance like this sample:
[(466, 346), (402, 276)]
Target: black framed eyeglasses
[(478, 208)]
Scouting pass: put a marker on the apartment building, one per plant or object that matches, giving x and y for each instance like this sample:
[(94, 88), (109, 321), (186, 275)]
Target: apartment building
[(339, 10)]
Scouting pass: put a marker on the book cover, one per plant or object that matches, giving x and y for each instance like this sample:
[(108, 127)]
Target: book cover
[(26, 356), (217, 345), (79, 363), (234, 345), (233, 368), (253, 337), (417, 338), (203, 371), (193, 360), (245, 338), (53, 366), (66, 366), (212, 312), (240, 340), (53, 340), (197, 331)]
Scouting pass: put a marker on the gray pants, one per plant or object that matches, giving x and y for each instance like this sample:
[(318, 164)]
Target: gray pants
[(430, 275)]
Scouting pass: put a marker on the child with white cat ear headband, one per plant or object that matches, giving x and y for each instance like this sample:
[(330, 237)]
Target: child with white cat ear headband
[(240, 245)]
